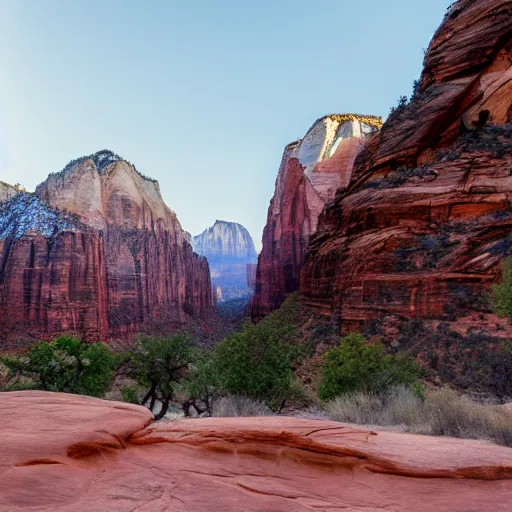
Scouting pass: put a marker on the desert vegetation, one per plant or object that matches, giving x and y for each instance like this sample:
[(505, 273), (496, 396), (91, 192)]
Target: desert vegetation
[(64, 365), (441, 412), (274, 366), (251, 369), (356, 365), (502, 293)]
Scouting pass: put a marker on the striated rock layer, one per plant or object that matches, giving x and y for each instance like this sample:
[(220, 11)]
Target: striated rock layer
[(99, 455), (425, 221), (96, 252), (311, 171), (229, 249)]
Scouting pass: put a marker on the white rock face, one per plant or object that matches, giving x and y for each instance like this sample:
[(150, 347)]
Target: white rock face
[(312, 170), (6, 191), (325, 136), (109, 190), (225, 240)]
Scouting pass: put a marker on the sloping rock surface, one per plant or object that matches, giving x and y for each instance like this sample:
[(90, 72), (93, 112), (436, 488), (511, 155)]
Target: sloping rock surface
[(96, 252), (68, 453), (425, 221), (311, 171)]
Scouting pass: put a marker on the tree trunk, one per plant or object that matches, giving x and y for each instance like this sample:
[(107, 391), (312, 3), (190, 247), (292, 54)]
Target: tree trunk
[(153, 400), (149, 394), (163, 411)]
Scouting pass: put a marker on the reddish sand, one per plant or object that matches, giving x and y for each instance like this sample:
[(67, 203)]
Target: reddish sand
[(71, 453)]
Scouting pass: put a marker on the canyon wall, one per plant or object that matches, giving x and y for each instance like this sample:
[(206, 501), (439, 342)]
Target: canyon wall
[(426, 219), (311, 171), (96, 252), (230, 251)]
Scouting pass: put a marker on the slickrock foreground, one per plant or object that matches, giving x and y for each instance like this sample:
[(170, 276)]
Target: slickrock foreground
[(70, 453)]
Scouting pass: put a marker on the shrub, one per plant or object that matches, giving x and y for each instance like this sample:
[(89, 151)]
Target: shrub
[(66, 365), (257, 362), (447, 414), (442, 413), (240, 406), (357, 366), (502, 293), (396, 406), (130, 394), (159, 364)]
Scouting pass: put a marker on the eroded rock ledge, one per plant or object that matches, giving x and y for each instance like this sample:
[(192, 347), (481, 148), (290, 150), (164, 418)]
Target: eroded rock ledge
[(72, 453)]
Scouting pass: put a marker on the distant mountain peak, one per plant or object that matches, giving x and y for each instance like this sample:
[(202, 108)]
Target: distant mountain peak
[(227, 240), (229, 249)]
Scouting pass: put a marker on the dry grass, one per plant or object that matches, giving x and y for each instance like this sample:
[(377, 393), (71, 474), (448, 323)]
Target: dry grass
[(234, 406), (442, 413)]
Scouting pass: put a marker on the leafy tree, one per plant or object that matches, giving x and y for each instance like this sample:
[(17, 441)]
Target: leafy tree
[(202, 385), (357, 366), (66, 365), (159, 364), (502, 293), (257, 362)]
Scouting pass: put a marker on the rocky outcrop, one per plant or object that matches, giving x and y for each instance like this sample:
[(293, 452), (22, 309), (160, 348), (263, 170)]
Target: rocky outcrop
[(311, 171), (229, 249), (425, 221), (99, 455), (6, 191), (96, 252)]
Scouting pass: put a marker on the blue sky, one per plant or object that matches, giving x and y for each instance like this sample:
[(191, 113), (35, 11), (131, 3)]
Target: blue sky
[(202, 95)]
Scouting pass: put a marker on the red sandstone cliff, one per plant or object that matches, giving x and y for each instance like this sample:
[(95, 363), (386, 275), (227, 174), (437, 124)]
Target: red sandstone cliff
[(426, 219), (311, 170), (96, 252)]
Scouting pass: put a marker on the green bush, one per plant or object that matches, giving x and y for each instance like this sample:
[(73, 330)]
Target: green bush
[(257, 362), (66, 365), (357, 366), (130, 394), (502, 293)]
